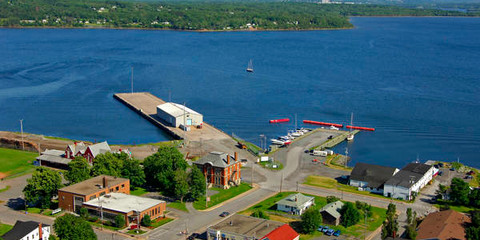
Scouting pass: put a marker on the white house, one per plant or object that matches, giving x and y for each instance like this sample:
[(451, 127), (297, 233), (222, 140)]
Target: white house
[(295, 203), (176, 115), (28, 231), (370, 177), (408, 181)]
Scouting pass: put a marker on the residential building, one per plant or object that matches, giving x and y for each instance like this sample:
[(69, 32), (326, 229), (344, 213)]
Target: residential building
[(295, 203), (176, 114), (250, 228), (371, 177), (71, 198), (28, 231), (53, 158), (444, 225), (220, 169), (409, 181), (285, 232), (133, 208), (331, 213)]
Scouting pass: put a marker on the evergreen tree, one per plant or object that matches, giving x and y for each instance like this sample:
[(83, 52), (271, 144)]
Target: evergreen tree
[(146, 221), (180, 184), (459, 191), (390, 225)]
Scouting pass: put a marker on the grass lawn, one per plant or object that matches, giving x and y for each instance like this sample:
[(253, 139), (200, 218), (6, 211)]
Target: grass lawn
[(268, 206), (269, 165), (136, 231), (16, 162), (160, 221), (138, 191), (330, 183), (4, 228), (221, 196), (178, 205)]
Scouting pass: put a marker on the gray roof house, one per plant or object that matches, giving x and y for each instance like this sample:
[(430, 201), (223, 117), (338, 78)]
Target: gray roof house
[(331, 213), (409, 180), (371, 177), (295, 204), (217, 159), (220, 169)]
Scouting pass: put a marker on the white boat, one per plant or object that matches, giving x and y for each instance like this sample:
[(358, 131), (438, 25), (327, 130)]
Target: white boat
[(334, 128), (277, 142), (250, 66), (351, 135)]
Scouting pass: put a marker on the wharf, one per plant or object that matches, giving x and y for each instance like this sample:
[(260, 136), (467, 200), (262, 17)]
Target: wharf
[(336, 140), (145, 104)]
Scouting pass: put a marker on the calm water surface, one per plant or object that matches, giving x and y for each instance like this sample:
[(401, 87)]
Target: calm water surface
[(416, 80)]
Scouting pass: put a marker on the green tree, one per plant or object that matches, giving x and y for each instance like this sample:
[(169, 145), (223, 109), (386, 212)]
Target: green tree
[(108, 164), (474, 198), (180, 183), (472, 232), (69, 227), (119, 221), (390, 225), (42, 186), (133, 171), (459, 191), (78, 170), (160, 168), (411, 227), (331, 199), (197, 183), (349, 215), (311, 219), (441, 192), (84, 213), (260, 214), (146, 221)]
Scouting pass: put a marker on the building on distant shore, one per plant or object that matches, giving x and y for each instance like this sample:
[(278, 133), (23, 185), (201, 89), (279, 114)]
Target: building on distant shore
[(371, 177), (220, 169), (251, 228), (133, 208), (71, 198), (295, 203), (409, 181), (176, 114), (28, 231), (331, 213), (443, 225)]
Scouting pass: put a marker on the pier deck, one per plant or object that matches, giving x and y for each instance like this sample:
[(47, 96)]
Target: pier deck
[(145, 104)]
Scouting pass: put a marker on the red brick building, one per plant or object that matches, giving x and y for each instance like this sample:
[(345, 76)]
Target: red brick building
[(221, 169)]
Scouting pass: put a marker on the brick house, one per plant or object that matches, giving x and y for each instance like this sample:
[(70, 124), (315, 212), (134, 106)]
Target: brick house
[(72, 197), (221, 169)]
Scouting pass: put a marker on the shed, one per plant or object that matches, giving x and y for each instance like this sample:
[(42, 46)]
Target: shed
[(176, 114)]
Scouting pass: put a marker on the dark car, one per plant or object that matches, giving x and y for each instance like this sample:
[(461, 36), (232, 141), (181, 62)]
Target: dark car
[(224, 214), (194, 236), (452, 169), (330, 232), (325, 229), (330, 137), (440, 164), (337, 233)]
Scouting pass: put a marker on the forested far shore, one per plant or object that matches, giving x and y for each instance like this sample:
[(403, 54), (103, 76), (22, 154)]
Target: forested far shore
[(214, 16)]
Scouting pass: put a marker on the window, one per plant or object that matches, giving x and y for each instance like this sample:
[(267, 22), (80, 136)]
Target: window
[(116, 188), (111, 189), (63, 197), (123, 185), (92, 197)]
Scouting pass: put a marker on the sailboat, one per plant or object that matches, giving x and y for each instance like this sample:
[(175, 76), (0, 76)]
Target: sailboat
[(351, 135), (250, 66)]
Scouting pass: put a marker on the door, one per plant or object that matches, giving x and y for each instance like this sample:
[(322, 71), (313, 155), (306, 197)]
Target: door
[(189, 122)]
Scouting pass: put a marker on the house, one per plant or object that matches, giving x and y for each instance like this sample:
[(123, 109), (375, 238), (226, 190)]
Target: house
[(285, 232), (250, 228), (133, 208), (89, 152), (176, 114), (409, 181), (443, 225), (71, 198), (53, 158), (295, 203), (331, 213), (371, 177), (221, 169), (29, 230)]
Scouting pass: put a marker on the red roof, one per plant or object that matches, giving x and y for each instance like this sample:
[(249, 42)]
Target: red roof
[(285, 232)]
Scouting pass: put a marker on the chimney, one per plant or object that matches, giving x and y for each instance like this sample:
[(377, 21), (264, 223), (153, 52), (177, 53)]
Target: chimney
[(105, 182), (228, 159), (236, 156), (40, 231)]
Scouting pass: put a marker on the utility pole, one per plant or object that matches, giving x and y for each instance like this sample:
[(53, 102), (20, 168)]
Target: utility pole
[(281, 183), (131, 80), (252, 173), (21, 130), (346, 156)]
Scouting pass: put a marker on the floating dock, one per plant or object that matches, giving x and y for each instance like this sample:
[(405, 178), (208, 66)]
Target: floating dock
[(145, 104)]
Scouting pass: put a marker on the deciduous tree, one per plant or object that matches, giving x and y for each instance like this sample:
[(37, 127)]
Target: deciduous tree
[(459, 191), (311, 219), (69, 227), (133, 171), (260, 214), (197, 183), (109, 164), (349, 215), (180, 183), (160, 168), (79, 170), (42, 186)]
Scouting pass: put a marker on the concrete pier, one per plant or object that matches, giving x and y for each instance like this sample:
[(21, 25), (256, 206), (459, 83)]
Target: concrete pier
[(145, 104)]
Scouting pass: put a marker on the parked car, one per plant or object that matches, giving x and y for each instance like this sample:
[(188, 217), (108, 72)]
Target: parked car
[(440, 164), (224, 214), (320, 228), (194, 236), (330, 137), (325, 229), (330, 232), (337, 233), (440, 173)]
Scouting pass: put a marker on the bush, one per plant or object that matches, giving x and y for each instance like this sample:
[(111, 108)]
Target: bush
[(349, 215), (119, 221), (84, 213), (146, 221), (311, 219), (331, 199), (260, 214)]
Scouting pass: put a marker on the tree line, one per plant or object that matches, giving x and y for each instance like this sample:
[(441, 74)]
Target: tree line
[(195, 15)]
